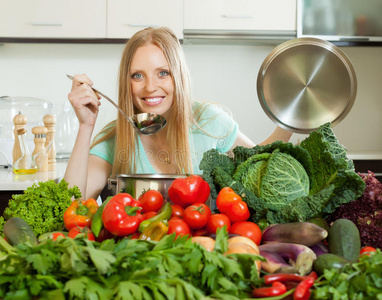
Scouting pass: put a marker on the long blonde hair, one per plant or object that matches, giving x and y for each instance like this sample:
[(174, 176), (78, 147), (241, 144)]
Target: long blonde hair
[(181, 116)]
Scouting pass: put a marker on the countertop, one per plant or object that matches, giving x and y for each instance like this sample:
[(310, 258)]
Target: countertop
[(363, 155), (9, 181)]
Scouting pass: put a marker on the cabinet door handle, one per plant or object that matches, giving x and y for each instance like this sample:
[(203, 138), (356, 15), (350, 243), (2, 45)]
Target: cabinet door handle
[(46, 24), (237, 16), (141, 25)]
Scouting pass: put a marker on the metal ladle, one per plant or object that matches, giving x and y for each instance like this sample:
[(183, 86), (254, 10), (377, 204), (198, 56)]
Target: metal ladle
[(145, 123)]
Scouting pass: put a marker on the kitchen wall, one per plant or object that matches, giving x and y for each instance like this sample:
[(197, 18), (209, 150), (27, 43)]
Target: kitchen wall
[(220, 73)]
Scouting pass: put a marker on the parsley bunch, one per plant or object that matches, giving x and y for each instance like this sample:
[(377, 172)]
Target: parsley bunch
[(358, 280), (41, 205), (126, 269)]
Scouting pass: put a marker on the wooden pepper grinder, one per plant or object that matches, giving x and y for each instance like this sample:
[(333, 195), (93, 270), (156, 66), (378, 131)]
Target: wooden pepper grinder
[(50, 122), (39, 152), (20, 122)]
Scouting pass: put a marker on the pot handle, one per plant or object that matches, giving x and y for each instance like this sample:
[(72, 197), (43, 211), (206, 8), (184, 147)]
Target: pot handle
[(112, 184)]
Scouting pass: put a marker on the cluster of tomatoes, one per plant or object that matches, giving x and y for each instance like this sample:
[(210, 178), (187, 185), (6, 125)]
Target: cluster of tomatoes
[(191, 215), (186, 212)]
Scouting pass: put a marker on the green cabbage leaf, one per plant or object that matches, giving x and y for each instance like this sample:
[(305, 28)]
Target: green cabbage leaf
[(282, 182)]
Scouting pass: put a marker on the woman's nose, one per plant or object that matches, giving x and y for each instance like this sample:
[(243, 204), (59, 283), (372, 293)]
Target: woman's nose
[(151, 84)]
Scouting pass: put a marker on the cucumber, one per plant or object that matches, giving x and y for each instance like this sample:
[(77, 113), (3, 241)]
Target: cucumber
[(17, 231), (344, 239), (328, 261)]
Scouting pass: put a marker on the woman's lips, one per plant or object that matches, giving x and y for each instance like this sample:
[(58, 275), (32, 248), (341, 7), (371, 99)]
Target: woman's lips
[(153, 100)]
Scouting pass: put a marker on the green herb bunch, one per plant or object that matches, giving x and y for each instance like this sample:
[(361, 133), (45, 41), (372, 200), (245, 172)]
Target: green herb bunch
[(357, 280), (126, 269), (41, 205)]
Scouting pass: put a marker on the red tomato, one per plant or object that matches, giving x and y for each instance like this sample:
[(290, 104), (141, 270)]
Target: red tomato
[(81, 230), (177, 211), (248, 229), (200, 232), (179, 226), (55, 235), (366, 250), (104, 235), (225, 198), (189, 190), (197, 215), (134, 236), (232, 205), (149, 215), (151, 200), (217, 221)]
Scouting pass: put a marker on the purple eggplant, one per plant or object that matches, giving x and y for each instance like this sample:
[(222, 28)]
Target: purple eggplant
[(298, 256), (320, 248), (304, 233), (275, 263)]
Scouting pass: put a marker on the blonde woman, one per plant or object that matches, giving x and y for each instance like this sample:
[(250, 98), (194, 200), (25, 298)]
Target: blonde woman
[(153, 77)]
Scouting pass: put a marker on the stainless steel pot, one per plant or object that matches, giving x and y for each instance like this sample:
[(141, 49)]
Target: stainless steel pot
[(135, 184)]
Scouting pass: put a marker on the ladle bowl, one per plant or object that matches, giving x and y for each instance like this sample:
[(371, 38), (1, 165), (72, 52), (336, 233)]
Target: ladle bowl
[(145, 123)]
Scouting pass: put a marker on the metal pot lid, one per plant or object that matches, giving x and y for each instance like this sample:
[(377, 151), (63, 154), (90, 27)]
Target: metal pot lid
[(306, 82)]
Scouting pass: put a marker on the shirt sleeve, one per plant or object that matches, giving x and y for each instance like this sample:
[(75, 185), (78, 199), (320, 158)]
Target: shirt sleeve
[(104, 150), (219, 124)]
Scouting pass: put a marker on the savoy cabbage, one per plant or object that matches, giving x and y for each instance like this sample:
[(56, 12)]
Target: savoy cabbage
[(282, 182)]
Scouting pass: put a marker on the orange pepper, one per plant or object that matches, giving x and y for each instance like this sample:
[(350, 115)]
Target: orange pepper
[(80, 213)]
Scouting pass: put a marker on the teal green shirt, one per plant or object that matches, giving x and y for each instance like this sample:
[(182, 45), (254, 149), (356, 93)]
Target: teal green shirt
[(218, 131)]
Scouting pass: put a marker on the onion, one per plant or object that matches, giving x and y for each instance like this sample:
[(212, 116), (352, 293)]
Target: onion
[(204, 241), (244, 240), (240, 244)]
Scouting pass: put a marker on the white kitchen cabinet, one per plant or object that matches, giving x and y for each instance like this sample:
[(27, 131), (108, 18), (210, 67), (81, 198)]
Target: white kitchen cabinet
[(242, 15), (53, 18), (126, 17)]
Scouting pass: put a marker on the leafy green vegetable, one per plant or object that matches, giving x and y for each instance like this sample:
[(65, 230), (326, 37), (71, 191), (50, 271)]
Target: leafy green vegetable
[(359, 280), (125, 269), (42, 206), (282, 182)]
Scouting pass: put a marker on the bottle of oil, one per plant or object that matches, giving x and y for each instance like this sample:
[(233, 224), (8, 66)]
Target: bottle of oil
[(26, 164)]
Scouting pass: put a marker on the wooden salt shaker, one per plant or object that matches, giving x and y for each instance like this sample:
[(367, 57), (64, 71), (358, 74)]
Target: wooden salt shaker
[(20, 122), (50, 122), (39, 141)]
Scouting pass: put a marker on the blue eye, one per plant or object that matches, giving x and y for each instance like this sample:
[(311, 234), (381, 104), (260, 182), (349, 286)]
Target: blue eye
[(164, 73), (136, 76)]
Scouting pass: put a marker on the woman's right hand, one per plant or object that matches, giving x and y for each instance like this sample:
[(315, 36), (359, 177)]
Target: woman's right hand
[(84, 100)]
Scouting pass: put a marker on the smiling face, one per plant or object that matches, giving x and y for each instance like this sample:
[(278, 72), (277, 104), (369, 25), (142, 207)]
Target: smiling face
[(152, 86)]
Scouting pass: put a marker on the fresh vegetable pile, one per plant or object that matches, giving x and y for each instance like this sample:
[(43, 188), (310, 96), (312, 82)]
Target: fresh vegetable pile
[(282, 182), (42, 206), (268, 236), (125, 269)]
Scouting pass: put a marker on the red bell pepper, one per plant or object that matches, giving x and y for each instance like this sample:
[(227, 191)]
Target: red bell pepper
[(189, 190), (232, 205), (122, 215), (80, 213)]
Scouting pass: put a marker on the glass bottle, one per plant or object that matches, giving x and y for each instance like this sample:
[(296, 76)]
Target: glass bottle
[(26, 164)]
